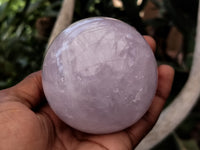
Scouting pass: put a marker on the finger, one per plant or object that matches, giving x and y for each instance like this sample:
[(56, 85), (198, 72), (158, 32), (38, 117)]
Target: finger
[(165, 78), (29, 91), (151, 42), (145, 124)]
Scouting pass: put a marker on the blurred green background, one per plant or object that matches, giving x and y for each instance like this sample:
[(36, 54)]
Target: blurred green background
[(26, 26)]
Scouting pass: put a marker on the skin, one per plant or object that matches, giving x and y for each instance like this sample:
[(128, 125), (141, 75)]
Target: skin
[(28, 123)]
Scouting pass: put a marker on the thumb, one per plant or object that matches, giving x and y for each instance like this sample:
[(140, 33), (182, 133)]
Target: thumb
[(29, 91)]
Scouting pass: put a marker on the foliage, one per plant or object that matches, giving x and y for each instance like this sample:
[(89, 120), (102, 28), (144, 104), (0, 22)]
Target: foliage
[(21, 48), (183, 15), (175, 143), (129, 14)]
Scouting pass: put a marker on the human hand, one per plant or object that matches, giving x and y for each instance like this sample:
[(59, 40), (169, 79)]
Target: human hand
[(28, 123)]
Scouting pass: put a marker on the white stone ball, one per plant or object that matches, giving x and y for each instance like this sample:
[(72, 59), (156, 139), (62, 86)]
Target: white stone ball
[(99, 75)]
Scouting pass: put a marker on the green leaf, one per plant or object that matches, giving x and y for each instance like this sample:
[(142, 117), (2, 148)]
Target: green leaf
[(179, 142), (186, 144), (190, 144)]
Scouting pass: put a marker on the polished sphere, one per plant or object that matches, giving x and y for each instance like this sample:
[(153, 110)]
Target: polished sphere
[(99, 75)]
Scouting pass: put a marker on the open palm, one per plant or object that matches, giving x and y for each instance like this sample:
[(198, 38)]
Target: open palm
[(28, 123)]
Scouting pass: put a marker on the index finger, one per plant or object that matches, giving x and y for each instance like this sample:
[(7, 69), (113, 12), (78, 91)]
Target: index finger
[(151, 42), (29, 91)]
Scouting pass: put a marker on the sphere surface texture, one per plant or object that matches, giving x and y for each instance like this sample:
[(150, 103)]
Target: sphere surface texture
[(99, 75)]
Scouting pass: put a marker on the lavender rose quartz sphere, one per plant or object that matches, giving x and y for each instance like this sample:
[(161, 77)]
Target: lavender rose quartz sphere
[(99, 75)]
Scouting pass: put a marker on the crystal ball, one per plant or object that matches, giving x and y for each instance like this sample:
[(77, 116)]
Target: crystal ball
[(99, 75)]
